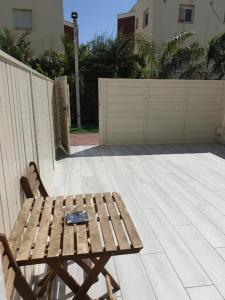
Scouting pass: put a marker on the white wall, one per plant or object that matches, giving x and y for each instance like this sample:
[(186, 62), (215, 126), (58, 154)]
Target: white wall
[(206, 24), (139, 9), (160, 111), (26, 133), (48, 22), (163, 19)]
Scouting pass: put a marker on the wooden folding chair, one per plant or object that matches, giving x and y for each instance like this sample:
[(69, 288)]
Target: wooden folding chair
[(32, 183), (13, 276), (33, 186)]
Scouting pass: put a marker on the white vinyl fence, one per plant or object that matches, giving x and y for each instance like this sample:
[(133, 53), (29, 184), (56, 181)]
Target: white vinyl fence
[(26, 133), (160, 111)]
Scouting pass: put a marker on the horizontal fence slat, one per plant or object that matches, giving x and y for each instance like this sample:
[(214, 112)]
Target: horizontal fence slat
[(151, 111)]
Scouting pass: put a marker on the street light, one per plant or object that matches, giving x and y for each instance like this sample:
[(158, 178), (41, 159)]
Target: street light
[(74, 16)]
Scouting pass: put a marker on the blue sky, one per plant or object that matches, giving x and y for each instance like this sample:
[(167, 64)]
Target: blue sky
[(96, 16)]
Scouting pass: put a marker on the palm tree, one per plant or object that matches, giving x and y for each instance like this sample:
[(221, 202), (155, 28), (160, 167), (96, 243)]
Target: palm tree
[(50, 63), (19, 49), (111, 57), (211, 64), (166, 60)]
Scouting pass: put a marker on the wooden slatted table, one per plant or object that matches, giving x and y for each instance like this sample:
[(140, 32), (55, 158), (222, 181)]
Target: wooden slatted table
[(40, 235)]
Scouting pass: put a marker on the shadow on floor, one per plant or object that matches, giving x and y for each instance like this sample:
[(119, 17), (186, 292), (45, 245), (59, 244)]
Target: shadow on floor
[(82, 151)]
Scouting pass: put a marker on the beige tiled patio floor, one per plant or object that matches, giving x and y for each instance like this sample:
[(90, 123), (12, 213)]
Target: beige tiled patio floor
[(176, 196)]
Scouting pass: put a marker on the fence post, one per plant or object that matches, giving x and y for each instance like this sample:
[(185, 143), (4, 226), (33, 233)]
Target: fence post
[(62, 115), (33, 112), (51, 116), (221, 129), (101, 105)]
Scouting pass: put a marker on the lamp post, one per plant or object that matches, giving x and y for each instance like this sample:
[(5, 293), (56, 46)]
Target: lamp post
[(74, 16)]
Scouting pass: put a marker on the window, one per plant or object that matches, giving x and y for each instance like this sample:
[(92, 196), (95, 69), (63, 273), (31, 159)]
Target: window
[(145, 18), (136, 23), (186, 14), (22, 19)]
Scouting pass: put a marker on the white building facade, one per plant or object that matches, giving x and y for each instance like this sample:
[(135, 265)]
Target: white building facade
[(42, 18), (162, 19)]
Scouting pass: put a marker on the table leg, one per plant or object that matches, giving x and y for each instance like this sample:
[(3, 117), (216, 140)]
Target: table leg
[(109, 288), (67, 278), (46, 277), (44, 285), (91, 276), (87, 268), (89, 263), (106, 273)]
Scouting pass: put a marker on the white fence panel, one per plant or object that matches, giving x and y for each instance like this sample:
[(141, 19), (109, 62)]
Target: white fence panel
[(44, 128), (26, 133), (160, 111)]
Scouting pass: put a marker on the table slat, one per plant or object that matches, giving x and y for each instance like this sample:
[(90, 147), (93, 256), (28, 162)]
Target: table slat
[(42, 236), (28, 238), (81, 230), (104, 221), (116, 222), (131, 230), (68, 234), (54, 249), (95, 239)]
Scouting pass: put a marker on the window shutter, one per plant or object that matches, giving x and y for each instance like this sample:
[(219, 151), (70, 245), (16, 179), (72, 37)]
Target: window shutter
[(22, 19), (182, 14)]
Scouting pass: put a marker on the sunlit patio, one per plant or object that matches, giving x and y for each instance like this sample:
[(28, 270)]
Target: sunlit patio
[(176, 197)]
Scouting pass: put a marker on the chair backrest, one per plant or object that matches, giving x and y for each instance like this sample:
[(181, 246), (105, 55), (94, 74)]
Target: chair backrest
[(12, 275), (32, 183)]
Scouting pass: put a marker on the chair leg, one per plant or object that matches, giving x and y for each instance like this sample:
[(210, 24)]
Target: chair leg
[(23, 287)]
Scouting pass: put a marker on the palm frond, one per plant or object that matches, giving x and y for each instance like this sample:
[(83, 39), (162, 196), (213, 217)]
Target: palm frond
[(147, 53), (172, 45), (7, 40)]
